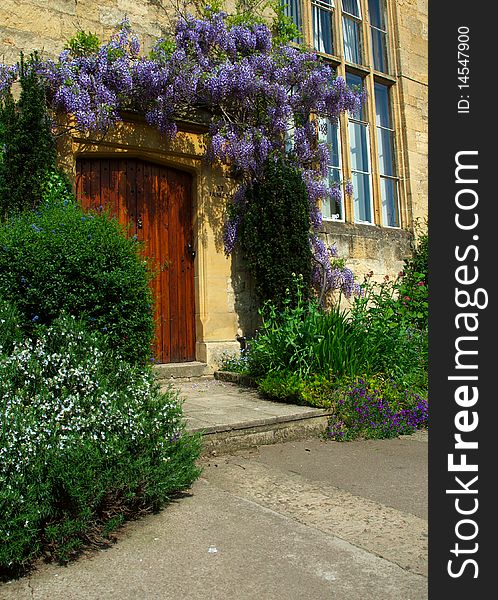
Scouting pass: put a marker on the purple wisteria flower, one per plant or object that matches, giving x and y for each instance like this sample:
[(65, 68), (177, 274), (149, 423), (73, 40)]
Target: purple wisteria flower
[(259, 95)]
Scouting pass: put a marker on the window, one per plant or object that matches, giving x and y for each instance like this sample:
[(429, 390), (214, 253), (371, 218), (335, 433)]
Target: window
[(360, 159), (323, 25), (378, 31), (292, 9), (385, 141), (351, 26), (328, 133)]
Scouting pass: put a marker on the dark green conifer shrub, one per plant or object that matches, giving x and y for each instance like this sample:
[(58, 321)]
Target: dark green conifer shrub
[(274, 233), (28, 150)]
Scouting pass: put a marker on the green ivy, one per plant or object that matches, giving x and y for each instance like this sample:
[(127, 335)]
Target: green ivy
[(274, 233)]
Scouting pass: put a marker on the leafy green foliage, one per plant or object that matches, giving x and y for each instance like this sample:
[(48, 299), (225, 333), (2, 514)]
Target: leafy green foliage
[(83, 44), (391, 343), (60, 259), (414, 285), (90, 442), (274, 233), (299, 337), (287, 386), (10, 326), (28, 145)]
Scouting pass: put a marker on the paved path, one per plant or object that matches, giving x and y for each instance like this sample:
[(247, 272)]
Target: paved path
[(211, 405), (304, 519)]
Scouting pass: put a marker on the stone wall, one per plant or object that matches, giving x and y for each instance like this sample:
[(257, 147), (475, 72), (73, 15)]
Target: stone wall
[(45, 25), (411, 27)]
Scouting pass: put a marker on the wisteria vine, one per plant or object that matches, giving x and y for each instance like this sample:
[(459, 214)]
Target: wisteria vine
[(263, 99)]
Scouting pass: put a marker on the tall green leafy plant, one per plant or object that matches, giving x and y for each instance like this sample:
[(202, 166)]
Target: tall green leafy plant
[(301, 338), (274, 233), (414, 285), (28, 146)]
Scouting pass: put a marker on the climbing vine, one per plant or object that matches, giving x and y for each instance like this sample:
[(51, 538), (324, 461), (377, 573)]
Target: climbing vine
[(262, 95)]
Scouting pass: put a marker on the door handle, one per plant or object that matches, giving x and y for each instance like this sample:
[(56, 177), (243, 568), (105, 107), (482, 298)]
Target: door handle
[(190, 250)]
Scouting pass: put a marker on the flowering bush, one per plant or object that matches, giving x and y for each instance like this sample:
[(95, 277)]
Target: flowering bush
[(376, 408), (90, 441), (59, 259), (256, 90)]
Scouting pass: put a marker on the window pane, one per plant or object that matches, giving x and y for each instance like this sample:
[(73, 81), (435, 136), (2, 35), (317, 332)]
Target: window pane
[(322, 30), (361, 195), (352, 51), (389, 193), (356, 82), (376, 12), (379, 50), (333, 209), (359, 148), (328, 133), (382, 105), (292, 9), (352, 7), (386, 152)]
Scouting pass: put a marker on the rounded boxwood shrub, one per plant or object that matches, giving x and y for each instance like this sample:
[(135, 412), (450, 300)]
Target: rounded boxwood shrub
[(60, 259), (91, 442)]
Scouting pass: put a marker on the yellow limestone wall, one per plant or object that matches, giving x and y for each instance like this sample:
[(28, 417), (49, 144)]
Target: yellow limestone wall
[(224, 303), (411, 39)]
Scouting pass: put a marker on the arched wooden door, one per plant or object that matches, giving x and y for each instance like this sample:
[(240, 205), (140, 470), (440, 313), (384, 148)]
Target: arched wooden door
[(155, 201)]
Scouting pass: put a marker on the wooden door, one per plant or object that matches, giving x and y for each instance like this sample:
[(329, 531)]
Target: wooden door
[(155, 202)]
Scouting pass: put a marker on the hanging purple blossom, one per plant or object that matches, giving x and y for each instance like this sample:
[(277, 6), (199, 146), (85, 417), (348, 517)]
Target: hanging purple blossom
[(255, 92)]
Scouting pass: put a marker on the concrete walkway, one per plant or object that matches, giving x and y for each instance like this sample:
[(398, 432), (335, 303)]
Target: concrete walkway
[(300, 520)]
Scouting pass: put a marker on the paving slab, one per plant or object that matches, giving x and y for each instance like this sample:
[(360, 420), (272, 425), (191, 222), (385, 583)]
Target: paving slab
[(214, 407)]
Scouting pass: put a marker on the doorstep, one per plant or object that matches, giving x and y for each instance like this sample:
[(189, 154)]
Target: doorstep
[(185, 371), (232, 417)]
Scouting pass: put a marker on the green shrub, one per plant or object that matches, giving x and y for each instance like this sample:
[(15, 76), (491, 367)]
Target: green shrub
[(87, 441), (391, 343), (282, 386), (60, 259), (274, 233), (414, 285), (285, 386), (376, 407), (302, 338), (28, 147), (10, 326)]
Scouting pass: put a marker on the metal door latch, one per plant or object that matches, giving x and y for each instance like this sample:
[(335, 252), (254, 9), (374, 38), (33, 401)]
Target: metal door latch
[(139, 223), (190, 250)]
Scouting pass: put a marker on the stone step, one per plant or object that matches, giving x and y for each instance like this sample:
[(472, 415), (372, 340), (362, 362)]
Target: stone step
[(185, 371), (226, 439), (232, 417)]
